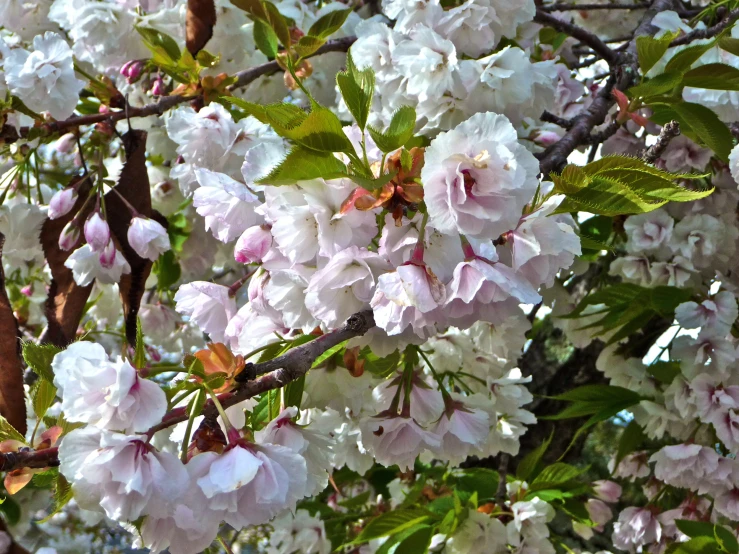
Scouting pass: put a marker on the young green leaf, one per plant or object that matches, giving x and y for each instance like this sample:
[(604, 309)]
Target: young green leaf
[(715, 76), (307, 45), (661, 84), (391, 523), (357, 88), (328, 24), (42, 396), (39, 357), (302, 164), (398, 132), (687, 57), (650, 50), (278, 23), (265, 38)]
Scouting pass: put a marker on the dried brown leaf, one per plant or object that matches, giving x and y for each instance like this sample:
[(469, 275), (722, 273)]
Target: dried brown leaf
[(201, 18), (66, 302), (12, 399)]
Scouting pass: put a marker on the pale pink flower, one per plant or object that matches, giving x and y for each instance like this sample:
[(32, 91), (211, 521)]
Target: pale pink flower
[(253, 244), (636, 527), (87, 266), (393, 439), (345, 285), (148, 238), (477, 177), (463, 427), (607, 491), (689, 466), (209, 306), (426, 401), (715, 315), (121, 475), (107, 394)]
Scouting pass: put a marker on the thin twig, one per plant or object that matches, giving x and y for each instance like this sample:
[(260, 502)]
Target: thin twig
[(9, 134), (670, 130), (709, 32), (585, 37)]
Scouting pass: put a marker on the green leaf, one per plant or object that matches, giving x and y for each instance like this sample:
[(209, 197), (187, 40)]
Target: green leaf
[(372, 184), (631, 438), (39, 357), (391, 523), (279, 116), (478, 480), (139, 357), (42, 396), (8, 432), (357, 88), (265, 38), (664, 371), (328, 24), (11, 510), (650, 50), (598, 401), (415, 540), (618, 185), (167, 270), (379, 367), (729, 44), (685, 58), (661, 84), (302, 164), (321, 131), (62, 495), (307, 45), (555, 476), (699, 122), (163, 47), (715, 76), (694, 529), (328, 353), (398, 132), (278, 23), (294, 392), (698, 545), (527, 467)]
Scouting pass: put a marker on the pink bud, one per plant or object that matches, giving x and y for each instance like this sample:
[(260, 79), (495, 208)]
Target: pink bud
[(27, 290), (608, 491), (62, 202), (126, 67), (546, 138), (69, 237), (599, 511), (253, 245), (97, 232), (135, 71), (103, 109), (66, 143), (107, 256), (148, 238), (158, 88)]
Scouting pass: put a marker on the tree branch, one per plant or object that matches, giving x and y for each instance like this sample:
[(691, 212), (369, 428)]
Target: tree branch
[(9, 134), (585, 37), (668, 132), (38, 459), (708, 32), (622, 77)]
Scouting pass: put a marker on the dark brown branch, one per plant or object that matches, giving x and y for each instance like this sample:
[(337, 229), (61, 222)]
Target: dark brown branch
[(37, 459), (243, 78), (274, 374), (562, 7), (501, 492), (668, 132), (549, 117), (585, 37), (623, 76), (708, 32)]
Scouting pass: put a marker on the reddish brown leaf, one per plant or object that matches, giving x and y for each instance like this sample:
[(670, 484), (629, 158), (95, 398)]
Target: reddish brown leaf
[(12, 400), (133, 185), (66, 302), (201, 18)]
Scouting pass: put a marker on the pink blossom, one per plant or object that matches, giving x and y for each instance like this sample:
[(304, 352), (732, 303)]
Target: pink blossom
[(393, 439), (97, 232), (62, 202), (636, 527), (253, 244)]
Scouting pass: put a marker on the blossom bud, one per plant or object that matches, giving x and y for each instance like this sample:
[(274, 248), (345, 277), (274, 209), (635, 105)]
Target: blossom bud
[(546, 138), (97, 232), (253, 244), (132, 70), (62, 202), (107, 256), (148, 238), (158, 88), (69, 237), (66, 143), (608, 491)]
